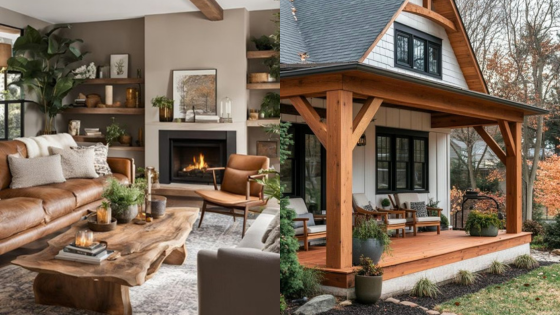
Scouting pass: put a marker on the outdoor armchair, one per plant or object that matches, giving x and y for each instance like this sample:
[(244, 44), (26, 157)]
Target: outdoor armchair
[(412, 219), (393, 219), (306, 233)]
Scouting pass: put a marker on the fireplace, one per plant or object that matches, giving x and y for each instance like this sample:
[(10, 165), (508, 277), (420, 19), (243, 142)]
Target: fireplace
[(186, 155)]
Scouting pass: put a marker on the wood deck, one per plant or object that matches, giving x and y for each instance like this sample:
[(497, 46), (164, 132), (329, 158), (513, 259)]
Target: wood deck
[(417, 253)]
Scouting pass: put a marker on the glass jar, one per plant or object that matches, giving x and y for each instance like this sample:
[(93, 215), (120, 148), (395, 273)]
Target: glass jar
[(166, 114)]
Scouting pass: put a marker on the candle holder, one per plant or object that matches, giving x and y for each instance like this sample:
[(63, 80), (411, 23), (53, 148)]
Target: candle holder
[(225, 106), (84, 238), (104, 214)]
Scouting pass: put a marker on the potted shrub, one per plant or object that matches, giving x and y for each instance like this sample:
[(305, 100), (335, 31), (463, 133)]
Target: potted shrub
[(270, 105), (124, 200), (444, 223), (369, 239), (114, 132), (263, 43), (385, 203), (482, 224), (369, 282), (165, 106)]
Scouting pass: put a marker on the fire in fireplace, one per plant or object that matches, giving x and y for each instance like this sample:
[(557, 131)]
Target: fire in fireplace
[(196, 168)]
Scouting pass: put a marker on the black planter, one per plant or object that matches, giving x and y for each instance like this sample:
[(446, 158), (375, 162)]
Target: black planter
[(490, 231), (368, 248), (368, 289)]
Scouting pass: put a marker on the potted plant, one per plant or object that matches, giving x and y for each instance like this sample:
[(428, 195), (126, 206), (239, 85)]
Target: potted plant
[(369, 239), (368, 282), (444, 223), (44, 60), (432, 204), (124, 200), (270, 105), (165, 106), (482, 224), (263, 43), (385, 203), (114, 132)]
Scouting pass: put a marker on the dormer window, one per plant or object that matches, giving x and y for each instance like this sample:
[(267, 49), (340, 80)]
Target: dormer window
[(417, 51)]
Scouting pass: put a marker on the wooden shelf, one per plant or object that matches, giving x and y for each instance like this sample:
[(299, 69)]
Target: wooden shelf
[(263, 86), (105, 111), (118, 148), (114, 81), (261, 54), (263, 122), (89, 138)]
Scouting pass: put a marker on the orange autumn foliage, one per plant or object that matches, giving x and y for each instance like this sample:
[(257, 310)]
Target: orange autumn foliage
[(547, 185)]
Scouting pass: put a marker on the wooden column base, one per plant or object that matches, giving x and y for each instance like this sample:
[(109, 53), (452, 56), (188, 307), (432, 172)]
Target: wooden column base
[(100, 296)]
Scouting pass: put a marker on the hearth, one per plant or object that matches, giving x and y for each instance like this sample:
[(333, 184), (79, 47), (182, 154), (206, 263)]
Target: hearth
[(186, 155)]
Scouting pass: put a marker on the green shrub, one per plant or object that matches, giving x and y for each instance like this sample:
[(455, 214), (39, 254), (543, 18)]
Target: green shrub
[(498, 268), (369, 229), (122, 196), (444, 221), (552, 233), (283, 305), (525, 262), (385, 202), (114, 131), (478, 220), (369, 269), (263, 43), (534, 227), (425, 287), (311, 278), (465, 277)]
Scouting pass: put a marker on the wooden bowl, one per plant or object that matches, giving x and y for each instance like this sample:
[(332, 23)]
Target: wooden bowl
[(99, 227)]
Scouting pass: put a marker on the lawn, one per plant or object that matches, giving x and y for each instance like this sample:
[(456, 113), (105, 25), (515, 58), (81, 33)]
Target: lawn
[(536, 292)]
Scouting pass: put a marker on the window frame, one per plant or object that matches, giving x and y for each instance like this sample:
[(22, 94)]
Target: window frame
[(411, 135), (429, 40), (7, 103)]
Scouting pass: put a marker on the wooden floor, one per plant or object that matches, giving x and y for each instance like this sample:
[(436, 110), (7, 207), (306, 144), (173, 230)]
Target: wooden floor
[(417, 253)]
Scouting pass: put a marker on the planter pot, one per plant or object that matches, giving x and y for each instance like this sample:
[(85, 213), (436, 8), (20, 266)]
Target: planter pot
[(369, 248), (490, 231), (165, 114), (125, 140), (368, 289), (124, 214), (430, 228)]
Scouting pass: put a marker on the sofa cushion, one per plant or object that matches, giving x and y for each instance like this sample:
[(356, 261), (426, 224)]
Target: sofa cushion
[(85, 190), (35, 172), (19, 214), (76, 163), (7, 148), (103, 179), (56, 202), (254, 234)]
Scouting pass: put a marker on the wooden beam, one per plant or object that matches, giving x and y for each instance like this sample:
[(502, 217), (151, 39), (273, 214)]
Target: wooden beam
[(491, 143), (364, 117), (443, 120), (210, 8), (430, 15), (427, 4), (311, 117), (513, 182), (339, 179), (508, 137), (310, 85), (291, 110)]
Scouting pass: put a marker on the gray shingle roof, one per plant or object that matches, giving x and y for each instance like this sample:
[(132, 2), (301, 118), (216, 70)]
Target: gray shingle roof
[(332, 30)]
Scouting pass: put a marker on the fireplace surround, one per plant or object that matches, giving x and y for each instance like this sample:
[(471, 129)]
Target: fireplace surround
[(185, 155)]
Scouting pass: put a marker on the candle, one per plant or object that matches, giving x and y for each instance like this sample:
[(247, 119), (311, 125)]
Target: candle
[(84, 238), (109, 94), (104, 215)]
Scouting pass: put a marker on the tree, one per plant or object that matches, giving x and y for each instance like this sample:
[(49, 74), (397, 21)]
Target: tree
[(547, 184)]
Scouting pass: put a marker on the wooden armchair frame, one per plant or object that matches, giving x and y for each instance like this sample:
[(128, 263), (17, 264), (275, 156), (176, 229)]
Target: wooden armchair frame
[(384, 214), (415, 224), (306, 236)]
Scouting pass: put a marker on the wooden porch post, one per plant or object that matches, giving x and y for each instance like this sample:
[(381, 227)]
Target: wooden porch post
[(511, 132), (339, 179)]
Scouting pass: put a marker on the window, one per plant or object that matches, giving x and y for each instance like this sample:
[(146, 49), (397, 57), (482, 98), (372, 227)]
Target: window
[(417, 51), (401, 160), (11, 100)]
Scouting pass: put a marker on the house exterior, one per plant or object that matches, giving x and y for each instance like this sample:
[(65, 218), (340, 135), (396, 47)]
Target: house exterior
[(402, 73)]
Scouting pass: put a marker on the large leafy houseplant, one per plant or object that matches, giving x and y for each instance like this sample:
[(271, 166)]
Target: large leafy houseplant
[(45, 60)]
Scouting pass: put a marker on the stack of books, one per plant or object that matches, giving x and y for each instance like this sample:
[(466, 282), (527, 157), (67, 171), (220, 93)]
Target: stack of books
[(80, 102), (93, 132), (93, 254)]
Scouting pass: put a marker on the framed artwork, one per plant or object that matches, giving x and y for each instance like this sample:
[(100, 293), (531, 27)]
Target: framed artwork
[(195, 94), (119, 66), (267, 148)]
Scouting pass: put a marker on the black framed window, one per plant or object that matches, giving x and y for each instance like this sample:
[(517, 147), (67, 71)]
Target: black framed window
[(401, 160), (417, 51), (11, 96)]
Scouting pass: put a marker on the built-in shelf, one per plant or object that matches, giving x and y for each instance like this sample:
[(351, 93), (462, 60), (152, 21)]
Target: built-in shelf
[(114, 81), (118, 148), (263, 122), (105, 111), (261, 54), (89, 138), (263, 86)]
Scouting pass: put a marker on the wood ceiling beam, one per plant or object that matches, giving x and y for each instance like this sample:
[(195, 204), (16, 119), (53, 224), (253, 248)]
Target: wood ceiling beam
[(310, 85), (427, 4), (494, 146), (210, 8), (443, 120), (364, 117), (291, 110), (430, 15), (308, 113), (508, 137)]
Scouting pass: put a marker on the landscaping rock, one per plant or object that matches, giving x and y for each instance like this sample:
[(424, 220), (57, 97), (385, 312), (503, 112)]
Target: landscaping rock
[(407, 303), (555, 252), (423, 308), (432, 312), (392, 300), (316, 305), (345, 303)]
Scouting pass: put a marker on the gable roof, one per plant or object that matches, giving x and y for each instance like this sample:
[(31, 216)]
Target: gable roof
[(334, 31)]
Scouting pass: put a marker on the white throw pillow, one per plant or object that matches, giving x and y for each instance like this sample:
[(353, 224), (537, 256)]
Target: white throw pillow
[(76, 163), (100, 160), (35, 172)]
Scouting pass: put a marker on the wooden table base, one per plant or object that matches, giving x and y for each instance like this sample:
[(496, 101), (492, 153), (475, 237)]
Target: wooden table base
[(83, 293)]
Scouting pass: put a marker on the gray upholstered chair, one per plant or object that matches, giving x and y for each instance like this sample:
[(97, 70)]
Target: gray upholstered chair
[(393, 219), (403, 201), (306, 232)]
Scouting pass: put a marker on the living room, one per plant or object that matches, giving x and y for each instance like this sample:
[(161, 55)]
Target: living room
[(161, 97)]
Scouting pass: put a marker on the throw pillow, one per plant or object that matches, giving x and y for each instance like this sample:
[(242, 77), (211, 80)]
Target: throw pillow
[(76, 163), (368, 207), (272, 244), (35, 172), (100, 160), (310, 222), (420, 207), (274, 223)]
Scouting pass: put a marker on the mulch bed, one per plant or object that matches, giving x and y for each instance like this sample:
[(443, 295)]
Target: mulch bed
[(451, 290), (381, 308)]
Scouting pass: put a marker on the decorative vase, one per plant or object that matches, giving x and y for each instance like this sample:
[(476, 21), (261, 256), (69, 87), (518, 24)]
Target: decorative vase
[(157, 205), (124, 214), (165, 114), (368, 289), (92, 100), (369, 248), (74, 127), (490, 231), (125, 139)]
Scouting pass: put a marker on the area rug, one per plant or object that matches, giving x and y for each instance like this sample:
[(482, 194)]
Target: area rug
[(173, 289)]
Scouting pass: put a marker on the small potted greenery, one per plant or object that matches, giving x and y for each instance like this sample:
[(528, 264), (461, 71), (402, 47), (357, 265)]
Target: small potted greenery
[(114, 132), (369, 281), (369, 239), (263, 43), (165, 106), (124, 200), (434, 205), (270, 105), (444, 222), (385, 203), (482, 224)]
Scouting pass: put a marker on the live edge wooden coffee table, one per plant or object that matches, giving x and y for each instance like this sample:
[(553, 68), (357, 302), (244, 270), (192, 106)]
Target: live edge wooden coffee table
[(104, 288)]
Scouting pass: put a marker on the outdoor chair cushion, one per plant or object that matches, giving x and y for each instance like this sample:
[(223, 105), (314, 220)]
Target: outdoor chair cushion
[(312, 229), (224, 198), (403, 200), (298, 205), (310, 222), (396, 221), (424, 219), (420, 207)]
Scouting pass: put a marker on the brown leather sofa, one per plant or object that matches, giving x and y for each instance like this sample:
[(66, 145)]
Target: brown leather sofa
[(28, 214)]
